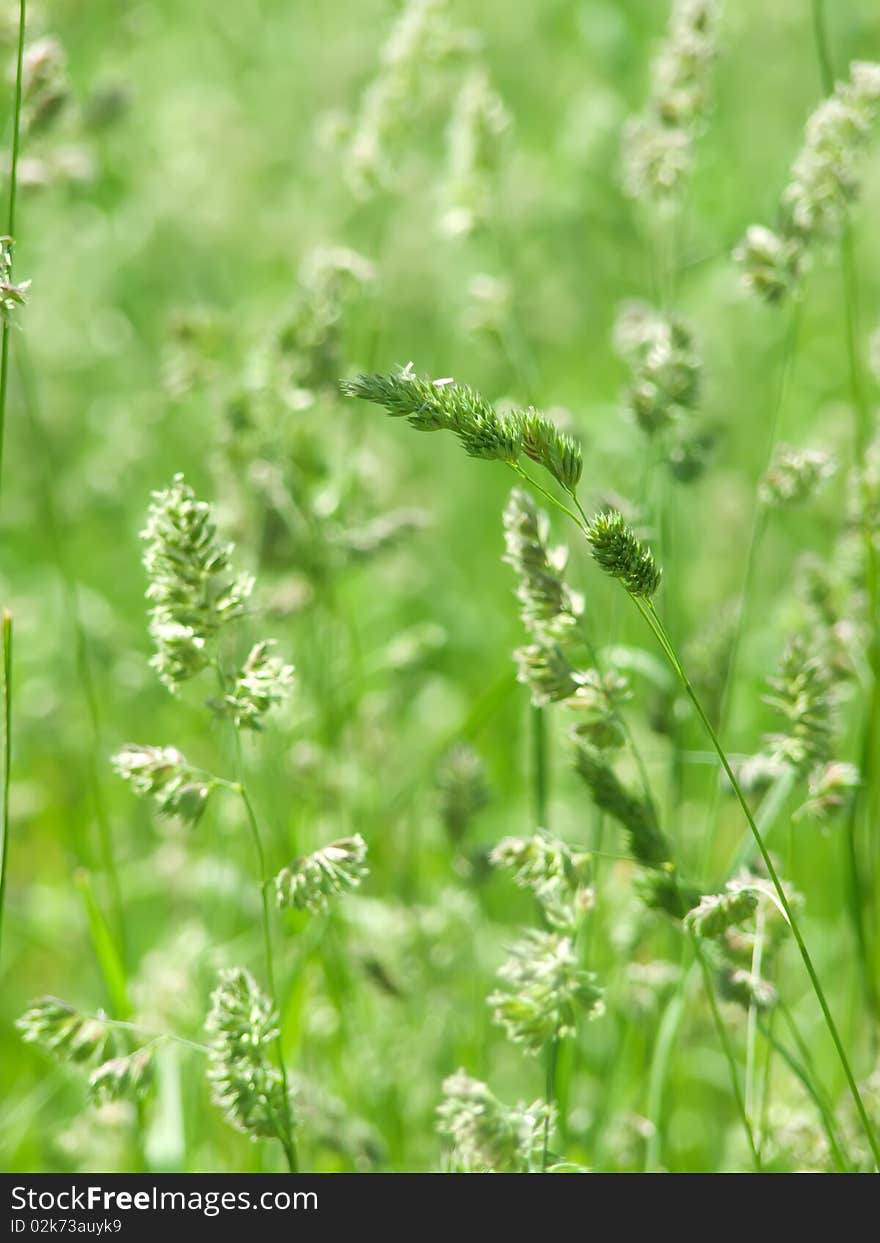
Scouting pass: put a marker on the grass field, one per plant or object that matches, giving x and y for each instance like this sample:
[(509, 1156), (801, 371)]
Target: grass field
[(224, 210)]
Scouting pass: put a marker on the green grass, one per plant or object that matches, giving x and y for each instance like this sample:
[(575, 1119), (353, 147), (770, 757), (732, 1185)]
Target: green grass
[(210, 185)]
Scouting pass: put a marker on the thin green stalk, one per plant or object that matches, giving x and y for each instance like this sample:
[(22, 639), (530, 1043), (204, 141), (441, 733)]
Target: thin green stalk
[(823, 49), (752, 1020), (724, 1037), (663, 1046), (287, 1140), (550, 1098), (649, 613), (540, 766), (10, 220), (7, 761), (802, 1071), (153, 1037)]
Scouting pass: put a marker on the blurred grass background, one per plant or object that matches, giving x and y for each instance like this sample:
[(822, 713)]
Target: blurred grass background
[(210, 185)]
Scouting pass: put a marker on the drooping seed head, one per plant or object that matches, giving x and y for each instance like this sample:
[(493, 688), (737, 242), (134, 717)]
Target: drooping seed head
[(127, 1078), (716, 912)]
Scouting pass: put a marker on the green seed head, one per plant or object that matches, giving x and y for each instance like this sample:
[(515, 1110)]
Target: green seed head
[(622, 555)]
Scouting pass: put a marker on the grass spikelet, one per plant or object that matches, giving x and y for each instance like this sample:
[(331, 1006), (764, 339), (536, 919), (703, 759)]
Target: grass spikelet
[(595, 708), (462, 789), (548, 606), (193, 588), (310, 883), (162, 774), (557, 876), (545, 444), (263, 682), (442, 405), (544, 669), (488, 1136), (795, 475), (636, 814), (803, 696), (128, 1078), (745, 989), (666, 369), (658, 145), (63, 1031), (825, 178), (622, 555), (475, 148)]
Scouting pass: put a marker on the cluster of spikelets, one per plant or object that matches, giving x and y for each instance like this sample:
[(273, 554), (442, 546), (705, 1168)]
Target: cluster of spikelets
[(246, 1082), (795, 476), (542, 993), (52, 126), (664, 391), (311, 882), (658, 144), (427, 59), (422, 36), (556, 875), (87, 1040), (825, 178), (805, 692), (193, 590), (462, 789), (474, 142), (12, 294), (486, 1135), (196, 594), (444, 405), (163, 775), (424, 49)]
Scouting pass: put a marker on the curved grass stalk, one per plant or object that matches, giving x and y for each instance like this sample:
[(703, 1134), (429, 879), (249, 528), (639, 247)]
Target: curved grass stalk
[(752, 1020), (7, 761), (724, 1037), (647, 610), (288, 1141), (10, 218)]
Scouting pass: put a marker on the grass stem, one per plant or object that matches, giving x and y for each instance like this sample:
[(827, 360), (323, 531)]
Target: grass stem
[(288, 1141), (7, 762), (647, 610), (10, 219)]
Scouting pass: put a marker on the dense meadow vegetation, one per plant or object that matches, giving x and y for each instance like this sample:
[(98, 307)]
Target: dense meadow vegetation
[(500, 800)]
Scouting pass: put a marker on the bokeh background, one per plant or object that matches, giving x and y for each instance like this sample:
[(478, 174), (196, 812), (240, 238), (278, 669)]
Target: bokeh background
[(197, 163)]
